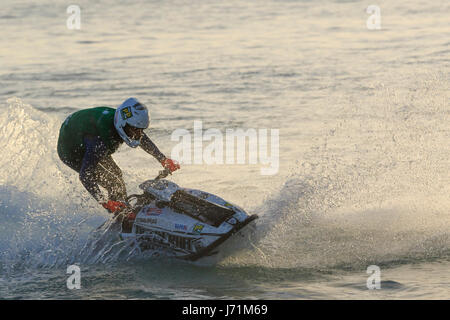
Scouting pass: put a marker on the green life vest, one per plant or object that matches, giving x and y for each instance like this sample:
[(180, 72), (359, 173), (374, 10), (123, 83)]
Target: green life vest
[(93, 122)]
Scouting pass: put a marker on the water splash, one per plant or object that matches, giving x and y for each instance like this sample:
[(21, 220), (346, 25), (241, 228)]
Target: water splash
[(373, 190)]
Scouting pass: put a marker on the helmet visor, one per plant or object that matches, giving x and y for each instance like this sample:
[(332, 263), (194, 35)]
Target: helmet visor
[(133, 132)]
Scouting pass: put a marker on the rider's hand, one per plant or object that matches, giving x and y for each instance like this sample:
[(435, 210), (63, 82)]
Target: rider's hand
[(114, 206), (170, 164)]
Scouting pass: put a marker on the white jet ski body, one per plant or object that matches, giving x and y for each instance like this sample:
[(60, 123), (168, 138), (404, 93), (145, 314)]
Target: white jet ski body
[(185, 223)]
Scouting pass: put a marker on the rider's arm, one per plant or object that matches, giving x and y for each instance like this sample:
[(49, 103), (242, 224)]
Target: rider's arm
[(151, 148), (95, 150)]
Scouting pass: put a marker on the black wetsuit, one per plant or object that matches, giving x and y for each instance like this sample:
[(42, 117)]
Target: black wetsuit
[(86, 142)]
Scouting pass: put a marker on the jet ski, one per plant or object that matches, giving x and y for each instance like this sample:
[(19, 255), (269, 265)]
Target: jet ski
[(184, 223)]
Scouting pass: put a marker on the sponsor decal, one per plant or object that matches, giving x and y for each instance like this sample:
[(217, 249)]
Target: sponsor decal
[(159, 239), (198, 228), (151, 211), (182, 227), (147, 220), (126, 113), (228, 205)]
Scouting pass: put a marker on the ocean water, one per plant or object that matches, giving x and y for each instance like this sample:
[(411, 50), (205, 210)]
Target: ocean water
[(363, 120)]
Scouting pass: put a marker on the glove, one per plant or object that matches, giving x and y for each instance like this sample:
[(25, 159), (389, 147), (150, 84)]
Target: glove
[(170, 164), (114, 206)]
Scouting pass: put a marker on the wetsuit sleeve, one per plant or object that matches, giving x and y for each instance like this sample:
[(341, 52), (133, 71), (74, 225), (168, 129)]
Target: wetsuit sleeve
[(151, 148), (95, 150)]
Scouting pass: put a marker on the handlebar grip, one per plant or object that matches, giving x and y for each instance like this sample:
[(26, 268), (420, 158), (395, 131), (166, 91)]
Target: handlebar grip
[(163, 173)]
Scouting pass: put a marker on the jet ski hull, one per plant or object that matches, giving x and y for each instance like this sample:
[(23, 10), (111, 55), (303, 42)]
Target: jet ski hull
[(185, 223)]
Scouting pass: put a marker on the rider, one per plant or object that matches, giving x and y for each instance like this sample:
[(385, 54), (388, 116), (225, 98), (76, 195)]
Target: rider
[(89, 137)]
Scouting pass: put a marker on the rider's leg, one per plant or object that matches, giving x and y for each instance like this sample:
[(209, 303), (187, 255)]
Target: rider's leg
[(109, 176)]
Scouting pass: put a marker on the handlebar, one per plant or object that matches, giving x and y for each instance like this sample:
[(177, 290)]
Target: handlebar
[(163, 173)]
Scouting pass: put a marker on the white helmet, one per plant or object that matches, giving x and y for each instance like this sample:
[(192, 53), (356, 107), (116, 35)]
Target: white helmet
[(131, 112)]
